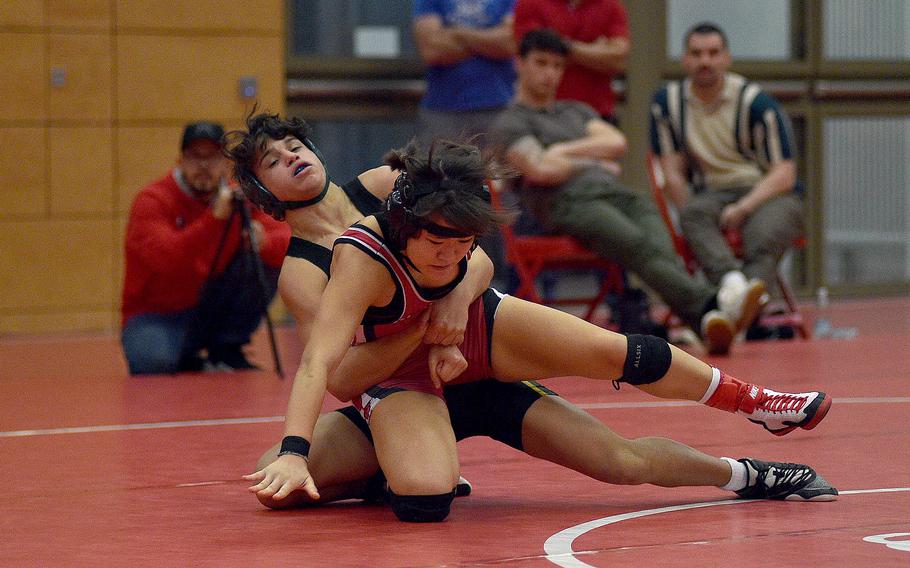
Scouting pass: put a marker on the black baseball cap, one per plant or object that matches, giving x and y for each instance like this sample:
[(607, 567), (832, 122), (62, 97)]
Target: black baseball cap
[(201, 131)]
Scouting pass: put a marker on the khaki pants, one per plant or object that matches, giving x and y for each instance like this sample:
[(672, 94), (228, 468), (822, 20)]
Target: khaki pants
[(766, 234)]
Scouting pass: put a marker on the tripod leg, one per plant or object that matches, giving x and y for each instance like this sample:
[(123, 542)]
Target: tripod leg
[(250, 249), (271, 329), (200, 332)]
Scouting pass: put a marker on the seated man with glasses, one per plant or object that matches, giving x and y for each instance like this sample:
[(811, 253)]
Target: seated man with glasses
[(192, 294)]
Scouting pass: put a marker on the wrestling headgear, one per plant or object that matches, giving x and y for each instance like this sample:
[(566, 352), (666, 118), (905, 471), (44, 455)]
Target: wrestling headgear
[(270, 204), (399, 210)]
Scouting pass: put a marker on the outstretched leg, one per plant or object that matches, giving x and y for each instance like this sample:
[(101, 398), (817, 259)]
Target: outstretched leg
[(600, 453), (535, 342)]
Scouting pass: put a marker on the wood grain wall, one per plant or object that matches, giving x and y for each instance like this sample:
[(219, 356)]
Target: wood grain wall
[(75, 153)]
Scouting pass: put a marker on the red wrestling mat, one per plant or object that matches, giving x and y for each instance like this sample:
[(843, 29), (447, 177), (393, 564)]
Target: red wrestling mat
[(102, 470)]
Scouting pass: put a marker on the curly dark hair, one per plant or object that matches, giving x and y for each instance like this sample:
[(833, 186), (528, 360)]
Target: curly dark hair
[(458, 173), (244, 146)]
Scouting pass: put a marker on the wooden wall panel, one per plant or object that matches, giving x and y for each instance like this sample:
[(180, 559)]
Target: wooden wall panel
[(32, 323), (23, 88), (62, 265), (24, 171), (143, 155), (82, 170), (119, 262), (95, 14), (135, 72), (191, 77), (264, 15), (86, 93), (21, 13)]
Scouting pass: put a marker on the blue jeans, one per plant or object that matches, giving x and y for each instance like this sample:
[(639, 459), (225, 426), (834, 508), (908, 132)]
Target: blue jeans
[(230, 308)]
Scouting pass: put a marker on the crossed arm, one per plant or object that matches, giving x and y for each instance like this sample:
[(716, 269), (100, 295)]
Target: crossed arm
[(446, 45), (602, 145), (607, 55)]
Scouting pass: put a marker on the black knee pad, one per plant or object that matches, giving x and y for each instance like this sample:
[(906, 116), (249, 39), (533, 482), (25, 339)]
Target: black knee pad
[(647, 360), (421, 508)]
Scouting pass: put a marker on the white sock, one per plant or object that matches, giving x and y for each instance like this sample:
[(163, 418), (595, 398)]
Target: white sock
[(731, 292), (734, 278), (715, 381), (739, 477)]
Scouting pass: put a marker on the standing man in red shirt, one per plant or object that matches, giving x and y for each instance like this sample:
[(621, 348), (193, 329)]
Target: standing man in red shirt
[(178, 298), (597, 32)]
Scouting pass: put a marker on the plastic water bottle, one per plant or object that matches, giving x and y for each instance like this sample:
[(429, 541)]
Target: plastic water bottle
[(822, 319)]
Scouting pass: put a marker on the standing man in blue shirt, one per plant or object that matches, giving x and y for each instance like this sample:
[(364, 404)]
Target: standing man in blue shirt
[(468, 48)]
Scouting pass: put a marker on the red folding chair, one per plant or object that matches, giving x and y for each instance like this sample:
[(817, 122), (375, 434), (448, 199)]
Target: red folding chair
[(532, 254), (791, 316)]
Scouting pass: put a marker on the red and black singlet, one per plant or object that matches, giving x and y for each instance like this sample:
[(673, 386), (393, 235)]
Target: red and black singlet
[(410, 299)]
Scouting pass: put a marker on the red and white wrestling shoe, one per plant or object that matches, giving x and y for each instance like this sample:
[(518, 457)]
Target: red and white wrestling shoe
[(781, 412), (778, 412)]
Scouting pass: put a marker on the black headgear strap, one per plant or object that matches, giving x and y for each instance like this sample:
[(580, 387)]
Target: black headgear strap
[(442, 231), (276, 207), (310, 201), (404, 196)]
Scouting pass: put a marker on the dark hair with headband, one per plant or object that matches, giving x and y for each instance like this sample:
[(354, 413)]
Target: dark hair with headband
[(449, 180)]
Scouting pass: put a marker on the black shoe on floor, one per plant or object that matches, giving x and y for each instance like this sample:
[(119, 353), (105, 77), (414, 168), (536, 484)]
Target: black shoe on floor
[(632, 314), (463, 488), (784, 482), (191, 364), (228, 358), (759, 332)]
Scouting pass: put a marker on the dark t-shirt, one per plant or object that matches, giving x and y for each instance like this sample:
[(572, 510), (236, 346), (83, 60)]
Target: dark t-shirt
[(562, 122)]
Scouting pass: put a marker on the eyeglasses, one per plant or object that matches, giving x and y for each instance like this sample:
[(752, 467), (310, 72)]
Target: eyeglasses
[(198, 160)]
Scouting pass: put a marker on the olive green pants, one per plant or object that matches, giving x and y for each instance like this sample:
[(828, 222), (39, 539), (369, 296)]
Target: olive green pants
[(624, 226)]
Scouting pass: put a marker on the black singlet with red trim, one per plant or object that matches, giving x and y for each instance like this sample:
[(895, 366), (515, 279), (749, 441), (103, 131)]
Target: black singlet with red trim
[(363, 200)]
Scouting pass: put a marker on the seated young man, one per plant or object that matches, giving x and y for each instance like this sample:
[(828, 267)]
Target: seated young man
[(566, 155)]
